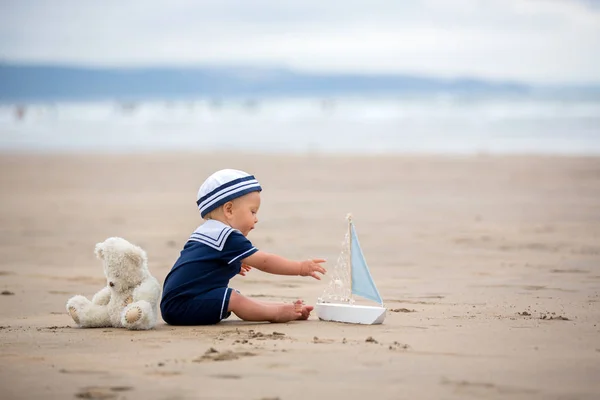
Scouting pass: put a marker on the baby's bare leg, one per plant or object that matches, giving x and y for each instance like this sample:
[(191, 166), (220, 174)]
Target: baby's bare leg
[(251, 310), (299, 306)]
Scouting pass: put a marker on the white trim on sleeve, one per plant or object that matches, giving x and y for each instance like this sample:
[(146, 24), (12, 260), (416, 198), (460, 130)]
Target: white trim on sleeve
[(246, 252)]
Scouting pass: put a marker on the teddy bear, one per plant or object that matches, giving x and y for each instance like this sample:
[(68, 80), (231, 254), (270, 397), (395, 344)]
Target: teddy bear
[(130, 298)]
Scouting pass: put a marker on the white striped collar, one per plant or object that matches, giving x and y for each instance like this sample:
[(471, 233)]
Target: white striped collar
[(212, 233)]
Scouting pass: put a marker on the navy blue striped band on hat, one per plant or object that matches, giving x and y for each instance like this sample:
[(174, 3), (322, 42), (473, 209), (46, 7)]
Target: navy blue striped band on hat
[(227, 192)]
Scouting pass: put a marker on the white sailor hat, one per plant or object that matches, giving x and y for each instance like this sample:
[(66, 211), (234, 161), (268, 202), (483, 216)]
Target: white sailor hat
[(223, 186)]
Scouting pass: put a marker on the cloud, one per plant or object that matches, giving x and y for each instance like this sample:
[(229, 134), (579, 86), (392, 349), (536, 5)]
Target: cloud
[(536, 41)]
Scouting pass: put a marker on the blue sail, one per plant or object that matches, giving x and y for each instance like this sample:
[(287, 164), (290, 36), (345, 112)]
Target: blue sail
[(362, 282)]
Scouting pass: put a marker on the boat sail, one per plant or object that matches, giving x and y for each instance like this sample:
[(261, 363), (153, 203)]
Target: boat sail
[(351, 276)]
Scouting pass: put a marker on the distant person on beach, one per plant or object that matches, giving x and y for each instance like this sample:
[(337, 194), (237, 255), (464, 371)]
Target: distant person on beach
[(196, 289)]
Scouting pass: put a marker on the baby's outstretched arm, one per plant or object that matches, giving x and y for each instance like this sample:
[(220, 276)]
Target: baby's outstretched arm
[(275, 264)]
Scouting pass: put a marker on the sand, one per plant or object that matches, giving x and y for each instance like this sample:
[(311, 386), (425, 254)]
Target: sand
[(489, 267)]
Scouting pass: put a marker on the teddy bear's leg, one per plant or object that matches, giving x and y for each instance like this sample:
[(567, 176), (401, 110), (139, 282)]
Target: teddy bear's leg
[(138, 315), (76, 306), (86, 314)]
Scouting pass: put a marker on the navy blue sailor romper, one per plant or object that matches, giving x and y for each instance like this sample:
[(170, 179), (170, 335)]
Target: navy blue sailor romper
[(196, 289)]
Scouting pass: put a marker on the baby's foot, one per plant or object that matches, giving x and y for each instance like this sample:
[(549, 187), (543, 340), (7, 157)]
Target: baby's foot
[(289, 312), (302, 309), (306, 312)]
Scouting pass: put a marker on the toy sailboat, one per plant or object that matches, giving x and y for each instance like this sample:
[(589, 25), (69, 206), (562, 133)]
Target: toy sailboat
[(350, 277)]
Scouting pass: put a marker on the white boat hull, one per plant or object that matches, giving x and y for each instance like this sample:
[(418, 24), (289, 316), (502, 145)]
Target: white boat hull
[(352, 314)]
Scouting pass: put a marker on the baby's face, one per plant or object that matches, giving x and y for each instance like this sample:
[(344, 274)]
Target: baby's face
[(245, 211)]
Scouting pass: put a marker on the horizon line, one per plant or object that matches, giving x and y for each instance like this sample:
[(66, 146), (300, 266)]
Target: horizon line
[(284, 68)]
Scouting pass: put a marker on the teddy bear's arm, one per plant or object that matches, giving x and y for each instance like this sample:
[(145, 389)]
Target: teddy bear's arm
[(102, 297), (148, 290)]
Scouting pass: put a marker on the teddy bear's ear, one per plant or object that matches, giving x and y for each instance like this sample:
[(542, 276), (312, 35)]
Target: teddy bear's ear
[(99, 251), (135, 254)]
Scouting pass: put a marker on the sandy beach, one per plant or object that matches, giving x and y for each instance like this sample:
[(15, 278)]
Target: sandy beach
[(489, 267)]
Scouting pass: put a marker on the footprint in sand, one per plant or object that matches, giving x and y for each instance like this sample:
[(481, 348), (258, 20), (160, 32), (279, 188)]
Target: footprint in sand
[(226, 376), (553, 316), (213, 354), (53, 328), (164, 373), (82, 372), (322, 341), (101, 392), (398, 346), (264, 336), (487, 386), (244, 336), (569, 271)]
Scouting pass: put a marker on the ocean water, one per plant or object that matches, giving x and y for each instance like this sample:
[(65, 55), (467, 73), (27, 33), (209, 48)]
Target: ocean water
[(428, 124)]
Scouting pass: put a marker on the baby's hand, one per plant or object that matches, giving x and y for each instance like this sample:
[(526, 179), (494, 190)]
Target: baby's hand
[(311, 267), (245, 268)]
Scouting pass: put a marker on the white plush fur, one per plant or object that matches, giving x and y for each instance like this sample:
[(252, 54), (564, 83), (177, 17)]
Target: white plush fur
[(130, 299)]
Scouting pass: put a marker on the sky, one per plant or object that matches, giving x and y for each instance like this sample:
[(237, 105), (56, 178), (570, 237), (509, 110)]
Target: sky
[(535, 41)]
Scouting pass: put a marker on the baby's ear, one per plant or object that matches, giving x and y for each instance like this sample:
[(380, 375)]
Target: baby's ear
[(99, 250), (228, 208)]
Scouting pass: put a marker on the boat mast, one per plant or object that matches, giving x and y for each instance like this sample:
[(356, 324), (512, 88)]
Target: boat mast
[(349, 218)]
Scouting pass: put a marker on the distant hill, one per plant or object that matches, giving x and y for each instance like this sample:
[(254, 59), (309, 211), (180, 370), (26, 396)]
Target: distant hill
[(28, 82)]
